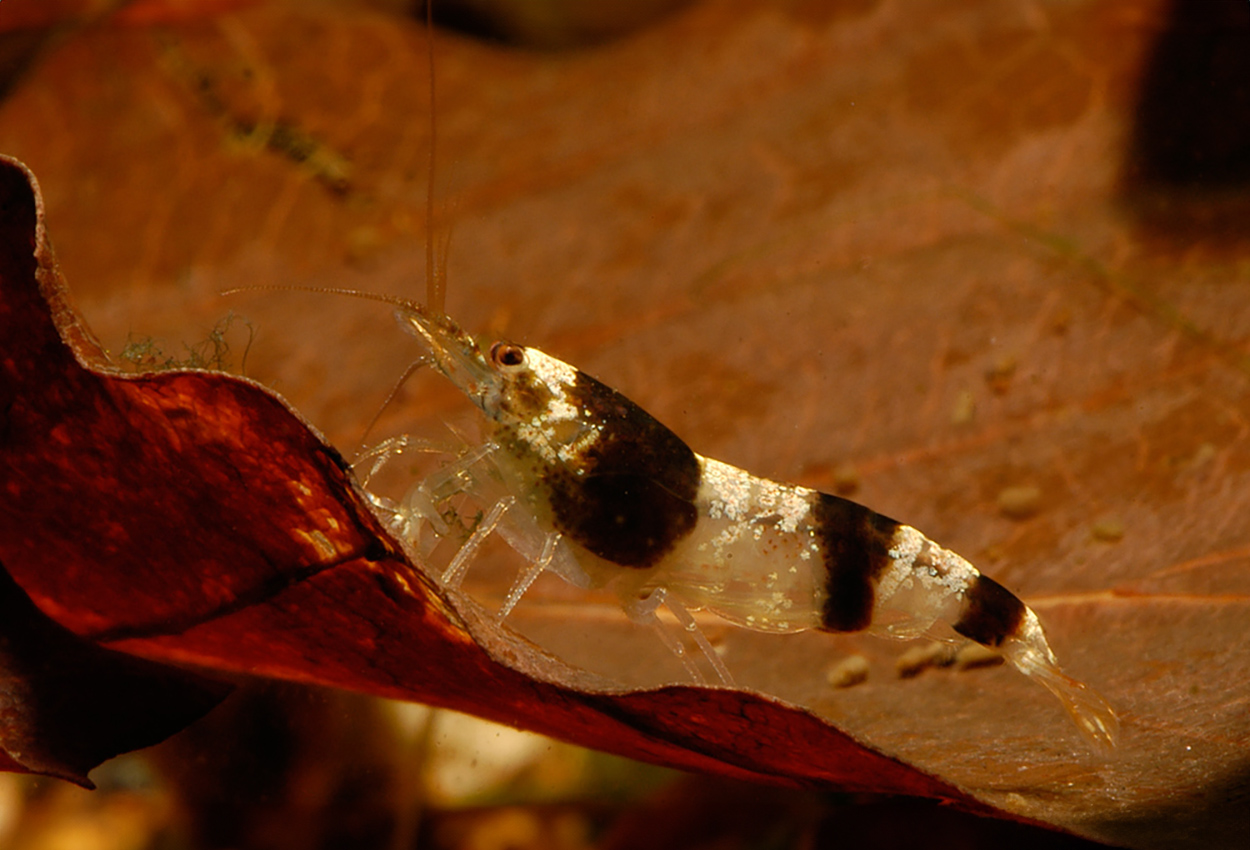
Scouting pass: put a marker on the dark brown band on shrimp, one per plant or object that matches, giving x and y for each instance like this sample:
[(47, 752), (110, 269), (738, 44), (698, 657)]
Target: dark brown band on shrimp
[(629, 497), (855, 545), (991, 613)]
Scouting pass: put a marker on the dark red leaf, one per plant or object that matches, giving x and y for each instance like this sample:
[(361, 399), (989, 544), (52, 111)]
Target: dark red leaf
[(67, 704)]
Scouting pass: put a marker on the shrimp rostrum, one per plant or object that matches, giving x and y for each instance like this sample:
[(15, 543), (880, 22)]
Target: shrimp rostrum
[(583, 482)]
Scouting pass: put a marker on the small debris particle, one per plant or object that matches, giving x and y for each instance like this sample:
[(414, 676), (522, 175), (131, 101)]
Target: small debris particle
[(1019, 502), (914, 661), (973, 655), (848, 672), (364, 244), (965, 408), (146, 355), (1204, 455), (999, 375), (1108, 530), (845, 479)]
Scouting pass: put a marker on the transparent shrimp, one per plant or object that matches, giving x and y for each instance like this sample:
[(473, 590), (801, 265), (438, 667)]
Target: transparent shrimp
[(582, 482)]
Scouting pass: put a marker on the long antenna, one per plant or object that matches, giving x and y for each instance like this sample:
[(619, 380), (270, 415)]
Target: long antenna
[(401, 303), (399, 385), (435, 282)]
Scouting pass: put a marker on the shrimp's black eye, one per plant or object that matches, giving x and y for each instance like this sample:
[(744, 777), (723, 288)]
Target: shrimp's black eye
[(507, 354)]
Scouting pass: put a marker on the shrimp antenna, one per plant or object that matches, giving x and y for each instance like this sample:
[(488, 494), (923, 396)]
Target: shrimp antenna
[(435, 277), (399, 385), (394, 300)]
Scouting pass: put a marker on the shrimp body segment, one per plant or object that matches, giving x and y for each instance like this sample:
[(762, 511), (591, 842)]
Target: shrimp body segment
[(593, 487)]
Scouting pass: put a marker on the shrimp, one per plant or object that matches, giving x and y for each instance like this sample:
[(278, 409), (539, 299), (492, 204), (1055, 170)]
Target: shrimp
[(581, 481)]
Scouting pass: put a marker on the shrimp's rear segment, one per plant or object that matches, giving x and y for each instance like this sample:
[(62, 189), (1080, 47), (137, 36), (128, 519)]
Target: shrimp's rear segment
[(982, 610), (776, 557), (598, 490)]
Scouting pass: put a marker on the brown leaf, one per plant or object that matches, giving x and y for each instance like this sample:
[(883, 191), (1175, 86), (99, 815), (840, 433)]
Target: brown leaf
[(899, 237)]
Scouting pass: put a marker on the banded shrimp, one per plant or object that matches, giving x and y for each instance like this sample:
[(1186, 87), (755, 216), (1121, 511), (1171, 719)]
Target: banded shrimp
[(582, 482)]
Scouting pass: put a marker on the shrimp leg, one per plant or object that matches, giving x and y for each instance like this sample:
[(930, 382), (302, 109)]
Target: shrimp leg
[(455, 571), (530, 574), (642, 610)]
